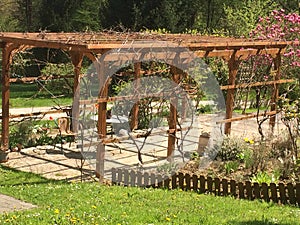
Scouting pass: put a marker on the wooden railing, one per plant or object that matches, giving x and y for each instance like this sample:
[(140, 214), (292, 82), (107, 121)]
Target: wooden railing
[(278, 193)]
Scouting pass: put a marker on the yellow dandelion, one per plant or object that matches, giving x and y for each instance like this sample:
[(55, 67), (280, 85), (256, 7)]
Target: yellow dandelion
[(56, 211), (168, 219), (246, 139), (251, 142), (94, 207)]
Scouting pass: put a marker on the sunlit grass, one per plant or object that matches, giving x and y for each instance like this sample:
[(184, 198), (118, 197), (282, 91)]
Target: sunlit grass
[(91, 203), (30, 95)]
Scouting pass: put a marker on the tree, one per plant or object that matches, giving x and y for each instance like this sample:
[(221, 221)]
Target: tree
[(240, 19), (56, 15), (7, 20)]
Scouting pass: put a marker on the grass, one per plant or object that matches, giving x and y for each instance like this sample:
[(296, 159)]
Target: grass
[(28, 95), (90, 203)]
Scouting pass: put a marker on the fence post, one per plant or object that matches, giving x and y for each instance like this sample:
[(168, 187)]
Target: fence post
[(291, 193), (274, 193)]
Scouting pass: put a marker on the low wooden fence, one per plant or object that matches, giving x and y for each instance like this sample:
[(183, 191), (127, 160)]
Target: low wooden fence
[(278, 193)]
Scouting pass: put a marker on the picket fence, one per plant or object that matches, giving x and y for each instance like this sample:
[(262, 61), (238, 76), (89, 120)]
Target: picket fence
[(278, 193)]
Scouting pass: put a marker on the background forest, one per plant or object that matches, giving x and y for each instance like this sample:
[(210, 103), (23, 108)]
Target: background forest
[(226, 17)]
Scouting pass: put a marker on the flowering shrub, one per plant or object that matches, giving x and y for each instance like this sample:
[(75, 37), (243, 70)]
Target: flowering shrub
[(282, 27)]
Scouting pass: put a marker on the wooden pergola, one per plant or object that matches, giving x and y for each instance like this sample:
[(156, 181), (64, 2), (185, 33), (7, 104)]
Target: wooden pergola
[(91, 45)]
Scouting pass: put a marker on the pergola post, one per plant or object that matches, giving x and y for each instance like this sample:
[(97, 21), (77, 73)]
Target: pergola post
[(233, 65), (173, 117), (101, 123), (135, 110), (275, 94), (76, 58)]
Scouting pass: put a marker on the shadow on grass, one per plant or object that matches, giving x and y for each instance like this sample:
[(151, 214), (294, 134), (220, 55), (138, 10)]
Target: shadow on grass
[(257, 222), (13, 177)]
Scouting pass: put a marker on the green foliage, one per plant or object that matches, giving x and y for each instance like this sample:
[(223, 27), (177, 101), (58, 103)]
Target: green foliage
[(231, 166), (231, 148), (7, 22), (264, 177), (241, 19), (34, 133)]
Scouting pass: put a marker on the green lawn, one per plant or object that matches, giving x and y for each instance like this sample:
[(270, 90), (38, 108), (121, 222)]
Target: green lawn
[(30, 95), (91, 203)]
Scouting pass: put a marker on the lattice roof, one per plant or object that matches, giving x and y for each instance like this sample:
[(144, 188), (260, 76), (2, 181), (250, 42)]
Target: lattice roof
[(101, 42)]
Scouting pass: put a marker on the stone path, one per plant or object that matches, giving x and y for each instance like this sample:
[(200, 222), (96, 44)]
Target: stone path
[(9, 204)]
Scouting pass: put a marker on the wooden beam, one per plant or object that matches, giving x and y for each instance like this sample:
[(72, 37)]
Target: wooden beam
[(246, 117), (103, 93), (247, 85), (173, 117), (7, 54), (135, 110), (233, 66), (275, 94), (242, 54), (44, 77), (76, 58), (42, 113)]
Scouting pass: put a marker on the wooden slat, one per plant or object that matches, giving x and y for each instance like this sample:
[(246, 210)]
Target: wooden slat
[(247, 117), (146, 179), (256, 84), (133, 177), (224, 187), (291, 193), (181, 181), (209, 185), (114, 176), (120, 177), (256, 191), (241, 189), (265, 192), (40, 78), (274, 193), (174, 181), (159, 181), (153, 180), (126, 178), (298, 193), (249, 193), (140, 179), (195, 182), (188, 182), (217, 189), (41, 113), (202, 184), (233, 188), (167, 181), (282, 193)]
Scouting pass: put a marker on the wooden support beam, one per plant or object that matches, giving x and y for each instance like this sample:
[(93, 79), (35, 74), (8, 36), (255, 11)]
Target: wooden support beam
[(246, 117), (135, 110), (76, 58), (100, 160), (7, 55), (256, 84), (173, 117), (41, 113), (233, 65), (102, 106), (275, 94)]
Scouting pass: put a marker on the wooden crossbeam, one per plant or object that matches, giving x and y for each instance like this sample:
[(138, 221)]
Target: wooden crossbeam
[(41, 113), (247, 117), (246, 85), (32, 79)]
